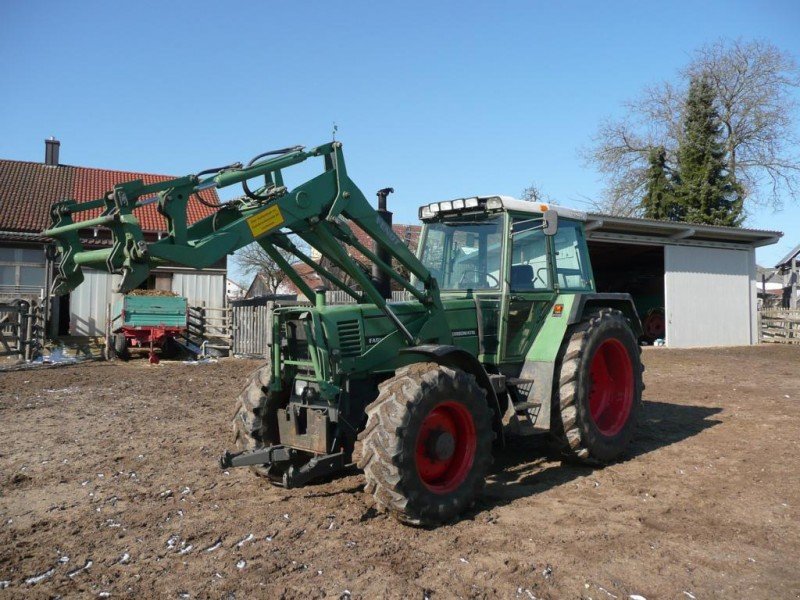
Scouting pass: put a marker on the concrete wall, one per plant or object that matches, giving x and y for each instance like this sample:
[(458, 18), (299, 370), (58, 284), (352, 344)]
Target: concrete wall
[(709, 296)]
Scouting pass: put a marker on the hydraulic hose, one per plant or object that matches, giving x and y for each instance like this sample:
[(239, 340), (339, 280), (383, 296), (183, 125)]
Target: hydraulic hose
[(200, 199), (249, 193)]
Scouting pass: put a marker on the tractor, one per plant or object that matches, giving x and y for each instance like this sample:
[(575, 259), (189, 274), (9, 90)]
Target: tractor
[(501, 331)]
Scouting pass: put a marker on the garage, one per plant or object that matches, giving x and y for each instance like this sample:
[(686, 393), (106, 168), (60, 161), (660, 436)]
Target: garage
[(693, 285)]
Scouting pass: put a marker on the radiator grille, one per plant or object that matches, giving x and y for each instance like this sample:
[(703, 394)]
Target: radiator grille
[(350, 338)]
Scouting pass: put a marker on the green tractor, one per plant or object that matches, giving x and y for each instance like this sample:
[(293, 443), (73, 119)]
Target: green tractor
[(502, 330)]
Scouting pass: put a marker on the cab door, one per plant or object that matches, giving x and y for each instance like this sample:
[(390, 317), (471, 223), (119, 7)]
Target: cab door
[(529, 289)]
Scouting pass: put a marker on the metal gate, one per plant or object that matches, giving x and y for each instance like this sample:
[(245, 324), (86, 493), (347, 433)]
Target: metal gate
[(251, 325), (21, 328)]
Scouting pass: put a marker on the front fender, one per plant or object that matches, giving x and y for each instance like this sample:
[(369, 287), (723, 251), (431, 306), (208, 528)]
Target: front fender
[(455, 357)]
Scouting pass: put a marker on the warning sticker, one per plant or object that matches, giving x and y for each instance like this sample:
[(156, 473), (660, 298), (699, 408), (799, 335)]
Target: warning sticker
[(265, 221)]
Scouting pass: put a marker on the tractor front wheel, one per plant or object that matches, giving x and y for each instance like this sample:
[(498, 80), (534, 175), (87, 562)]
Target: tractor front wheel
[(255, 422), (427, 445), (597, 392)]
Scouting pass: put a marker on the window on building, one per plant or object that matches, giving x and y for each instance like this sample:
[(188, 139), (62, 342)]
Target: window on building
[(22, 269)]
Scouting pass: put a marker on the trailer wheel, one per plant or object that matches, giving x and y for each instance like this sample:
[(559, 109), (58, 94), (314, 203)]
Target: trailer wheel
[(427, 445), (598, 387), (121, 350), (255, 422)]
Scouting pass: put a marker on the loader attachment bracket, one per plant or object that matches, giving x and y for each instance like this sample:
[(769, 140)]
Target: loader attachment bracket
[(320, 465)]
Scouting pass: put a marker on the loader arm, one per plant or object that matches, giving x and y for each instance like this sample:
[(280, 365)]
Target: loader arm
[(316, 211)]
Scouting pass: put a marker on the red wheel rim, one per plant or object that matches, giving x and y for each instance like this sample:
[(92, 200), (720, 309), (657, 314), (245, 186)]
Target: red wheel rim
[(445, 448), (611, 391)]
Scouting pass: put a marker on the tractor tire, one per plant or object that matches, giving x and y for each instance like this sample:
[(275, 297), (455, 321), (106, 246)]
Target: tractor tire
[(597, 390), (255, 422), (427, 445), (121, 350)]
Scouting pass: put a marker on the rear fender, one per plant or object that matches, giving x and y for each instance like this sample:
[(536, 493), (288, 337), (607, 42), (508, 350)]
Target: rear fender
[(540, 362), (452, 356), (587, 303)]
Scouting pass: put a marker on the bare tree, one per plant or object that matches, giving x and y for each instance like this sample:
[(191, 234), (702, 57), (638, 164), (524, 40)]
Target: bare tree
[(533, 193), (753, 82), (252, 260)]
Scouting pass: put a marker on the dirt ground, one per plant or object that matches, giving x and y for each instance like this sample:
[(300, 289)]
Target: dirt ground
[(109, 486)]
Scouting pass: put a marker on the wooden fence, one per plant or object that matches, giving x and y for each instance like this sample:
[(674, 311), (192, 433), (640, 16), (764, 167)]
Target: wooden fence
[(780, 325)]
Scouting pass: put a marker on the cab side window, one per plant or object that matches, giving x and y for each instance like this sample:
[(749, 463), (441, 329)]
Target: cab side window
[(571, 261), (529, 270)]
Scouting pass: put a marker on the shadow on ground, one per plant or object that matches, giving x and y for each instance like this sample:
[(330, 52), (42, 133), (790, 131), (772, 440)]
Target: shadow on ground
[(524, 467)]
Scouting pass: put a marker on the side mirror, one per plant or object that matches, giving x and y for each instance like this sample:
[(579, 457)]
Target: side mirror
[(550, 225)]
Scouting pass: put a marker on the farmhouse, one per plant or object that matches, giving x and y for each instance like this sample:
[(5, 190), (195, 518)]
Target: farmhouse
[(28, 189)]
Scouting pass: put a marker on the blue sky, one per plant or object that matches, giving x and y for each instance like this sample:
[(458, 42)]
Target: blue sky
[(437, 99)]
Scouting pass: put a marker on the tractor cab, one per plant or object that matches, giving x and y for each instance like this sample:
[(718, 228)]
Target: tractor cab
[(498, 243), (514, 258)]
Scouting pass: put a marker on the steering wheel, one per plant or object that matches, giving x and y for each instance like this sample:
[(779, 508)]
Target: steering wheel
[(462, 283)]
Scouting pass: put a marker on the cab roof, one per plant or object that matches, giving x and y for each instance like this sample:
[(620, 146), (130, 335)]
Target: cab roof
[(527, 206), (456, 206)]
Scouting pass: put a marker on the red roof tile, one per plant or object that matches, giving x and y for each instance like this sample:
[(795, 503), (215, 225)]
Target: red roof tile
[(28, 189)]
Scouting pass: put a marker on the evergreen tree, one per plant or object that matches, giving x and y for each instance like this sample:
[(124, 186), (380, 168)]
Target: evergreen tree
[(659, 199), (705, 190)]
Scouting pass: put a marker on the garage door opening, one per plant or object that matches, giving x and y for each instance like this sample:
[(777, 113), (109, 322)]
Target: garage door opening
[(639, 271)]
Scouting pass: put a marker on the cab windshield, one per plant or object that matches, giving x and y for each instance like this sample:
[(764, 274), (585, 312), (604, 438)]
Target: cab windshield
[(464, 253)]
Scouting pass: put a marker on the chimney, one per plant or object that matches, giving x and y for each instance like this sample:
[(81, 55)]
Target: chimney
[(51, 148)]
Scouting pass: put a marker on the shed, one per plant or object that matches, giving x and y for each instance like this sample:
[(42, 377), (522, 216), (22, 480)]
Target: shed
[(702, 277)]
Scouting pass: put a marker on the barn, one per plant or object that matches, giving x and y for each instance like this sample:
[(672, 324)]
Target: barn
[(700, 278)]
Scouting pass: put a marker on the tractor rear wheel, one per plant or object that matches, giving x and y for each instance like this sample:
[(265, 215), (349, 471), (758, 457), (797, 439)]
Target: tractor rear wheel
[(255, 422), (597, 391), (427, 445)]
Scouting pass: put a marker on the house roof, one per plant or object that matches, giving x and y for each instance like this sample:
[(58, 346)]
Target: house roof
[(28, 189), (789, 257)]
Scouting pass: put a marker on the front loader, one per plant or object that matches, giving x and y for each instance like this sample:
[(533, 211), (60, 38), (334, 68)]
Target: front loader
[(502, 330)]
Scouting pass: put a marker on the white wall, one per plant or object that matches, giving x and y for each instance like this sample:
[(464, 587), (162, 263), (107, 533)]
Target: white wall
[(88, 301), (200, 288), (709, 296)]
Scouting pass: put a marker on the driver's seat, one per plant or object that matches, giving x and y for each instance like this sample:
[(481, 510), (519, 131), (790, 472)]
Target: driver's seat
[(521, 277)]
